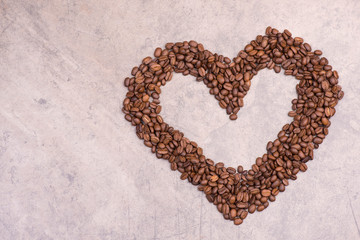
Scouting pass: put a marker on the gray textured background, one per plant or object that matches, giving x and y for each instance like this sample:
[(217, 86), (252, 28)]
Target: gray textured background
[(72, 168)]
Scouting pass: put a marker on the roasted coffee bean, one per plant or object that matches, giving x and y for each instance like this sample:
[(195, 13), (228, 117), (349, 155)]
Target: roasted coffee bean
[(233, 116), (260, 208), (252, 208), (237, 193), (157, 52), (233, 213), (238, 221), (265, 192)]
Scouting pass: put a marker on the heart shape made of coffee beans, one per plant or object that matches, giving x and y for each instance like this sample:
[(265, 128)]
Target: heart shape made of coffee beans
[(237, 192)]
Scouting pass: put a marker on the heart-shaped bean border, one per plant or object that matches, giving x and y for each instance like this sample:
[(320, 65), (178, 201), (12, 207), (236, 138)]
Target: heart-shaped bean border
[(235, 191)]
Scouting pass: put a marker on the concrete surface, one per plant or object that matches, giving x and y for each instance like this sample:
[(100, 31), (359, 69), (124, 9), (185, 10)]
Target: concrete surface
[(71, 167)]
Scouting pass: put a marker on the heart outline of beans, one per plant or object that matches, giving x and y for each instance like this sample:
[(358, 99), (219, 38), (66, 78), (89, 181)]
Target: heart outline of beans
[(237, 192)]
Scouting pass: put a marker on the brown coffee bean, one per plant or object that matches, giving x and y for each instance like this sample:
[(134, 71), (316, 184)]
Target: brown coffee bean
[(298, 39), (261, 208), (233, 116), (287, 32), (202, 72), (146, 119), (214, 178), (318, 140), (157, 52), (277, 69), (128, 117), (265, 192), (228, 86), (243, 214), (145, 98), (252, 208), (233, 213), (325, 121), (248, 48), (304, 121), (238, 221), (318, 52), (155, 67)]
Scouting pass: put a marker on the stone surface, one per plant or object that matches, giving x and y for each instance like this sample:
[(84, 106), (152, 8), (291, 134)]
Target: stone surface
[(71, 167)]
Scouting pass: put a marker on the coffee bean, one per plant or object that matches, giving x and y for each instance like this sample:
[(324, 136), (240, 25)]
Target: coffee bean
[(238, 221), (249, 48), (155, 67), (228, 86), (233, 116), (265, 192), (145, 98), (277, 69), (214, 178), (287, 32), (318, 52), (304, 121), (243, 214), (325, 121), (261, 208), (201, 72), (252, 208), (128, 117), (157, 52), (237, 193), (233, 213)]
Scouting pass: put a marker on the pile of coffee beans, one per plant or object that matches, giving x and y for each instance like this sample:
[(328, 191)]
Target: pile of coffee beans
[(235, 191)]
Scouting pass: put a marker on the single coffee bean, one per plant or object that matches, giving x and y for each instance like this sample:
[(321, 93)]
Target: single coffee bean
[(202, 72), (252, 208), (238, 221), (243, 215), (233, 213), (233, 116), (261, 208), (248, 48), (155, 67), (318, 52), (157, 52), (214, 178), (265, 192)]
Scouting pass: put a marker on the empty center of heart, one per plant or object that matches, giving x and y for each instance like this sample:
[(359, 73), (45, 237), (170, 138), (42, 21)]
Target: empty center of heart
[(187, 106)]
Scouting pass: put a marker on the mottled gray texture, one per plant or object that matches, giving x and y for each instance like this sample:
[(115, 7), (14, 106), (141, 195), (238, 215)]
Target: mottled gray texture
[(71, 167)]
